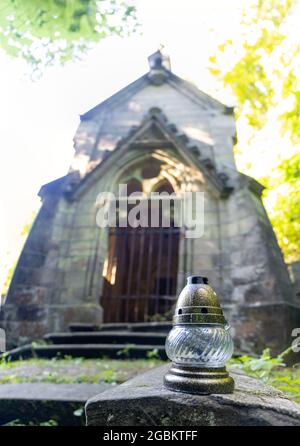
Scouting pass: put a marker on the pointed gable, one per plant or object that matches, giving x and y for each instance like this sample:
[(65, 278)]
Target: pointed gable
[(155, 132), (158, 74), (207, 123)]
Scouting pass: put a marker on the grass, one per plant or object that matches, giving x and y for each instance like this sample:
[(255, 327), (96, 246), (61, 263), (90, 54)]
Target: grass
[(74, 370), (115, 371), (288, 381)]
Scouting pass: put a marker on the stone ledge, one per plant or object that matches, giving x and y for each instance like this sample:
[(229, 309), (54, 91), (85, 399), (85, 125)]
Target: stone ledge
[(50, 391), (143, 401), (40, 402)]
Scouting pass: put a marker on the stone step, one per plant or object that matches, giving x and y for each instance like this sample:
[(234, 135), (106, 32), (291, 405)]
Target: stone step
[(114, 326), (107, 337), (40, 402), (118, 351), (81, 326), (154, 327)]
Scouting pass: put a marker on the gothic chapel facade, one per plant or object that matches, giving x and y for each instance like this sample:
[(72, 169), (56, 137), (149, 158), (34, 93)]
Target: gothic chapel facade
[(161, 134)]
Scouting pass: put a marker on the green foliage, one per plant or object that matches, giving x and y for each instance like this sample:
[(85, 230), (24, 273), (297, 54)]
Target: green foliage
[(38, 342), (10, 269), (9, 275), (153, 354), (110, 377), (47, 31), (288, 383), (272, 371), (261, 367), (125, 352), (79, 412), (285, 213), (250, 79), (264, 79), (254, 90), (291, 90)]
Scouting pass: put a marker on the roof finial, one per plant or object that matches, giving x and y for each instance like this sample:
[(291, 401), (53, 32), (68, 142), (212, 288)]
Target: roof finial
[(159, 60)]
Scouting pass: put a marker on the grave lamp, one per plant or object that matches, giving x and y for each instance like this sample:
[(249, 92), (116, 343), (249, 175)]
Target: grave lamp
[(199, 343)]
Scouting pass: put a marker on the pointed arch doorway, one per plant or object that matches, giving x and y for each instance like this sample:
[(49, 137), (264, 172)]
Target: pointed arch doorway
[(140, 270)]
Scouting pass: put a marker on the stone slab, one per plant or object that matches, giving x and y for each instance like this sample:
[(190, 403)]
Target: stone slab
[(143, 401), (36, 403), (51, 392)]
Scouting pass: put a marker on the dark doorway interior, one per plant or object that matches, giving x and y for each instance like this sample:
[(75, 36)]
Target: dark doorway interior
[(140, 272)]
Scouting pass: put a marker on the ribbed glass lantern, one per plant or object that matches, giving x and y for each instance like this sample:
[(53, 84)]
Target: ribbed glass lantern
[(204, 346), (200, 342)]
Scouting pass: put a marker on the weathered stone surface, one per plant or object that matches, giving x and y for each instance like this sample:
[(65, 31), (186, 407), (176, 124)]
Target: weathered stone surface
[(259, 325), (49, 391), (144, 401), (295, 274)]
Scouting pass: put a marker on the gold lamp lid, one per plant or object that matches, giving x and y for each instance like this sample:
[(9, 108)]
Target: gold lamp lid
[(198, 304)]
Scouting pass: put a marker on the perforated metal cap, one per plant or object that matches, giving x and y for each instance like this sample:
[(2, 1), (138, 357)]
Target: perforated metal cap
[(198, 304)]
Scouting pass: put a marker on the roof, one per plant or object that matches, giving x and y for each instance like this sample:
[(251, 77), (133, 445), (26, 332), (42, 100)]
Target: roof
[(158, 75), (155, 130)]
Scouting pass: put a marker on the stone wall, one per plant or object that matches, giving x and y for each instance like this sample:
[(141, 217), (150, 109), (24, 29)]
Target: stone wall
[(25, 313), (294, 269)]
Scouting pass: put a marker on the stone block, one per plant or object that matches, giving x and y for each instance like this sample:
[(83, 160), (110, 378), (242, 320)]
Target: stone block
[(49, 276), (242, 275), (39, 402), (82, 232), (203, 262), (268, 325), (33, 259), (83, 247), (247, 224), (25, 276), (89, 313), (74, 278), (144, 401), (247, 257), (206, 246), (31, 295), (211, 232), (30, 312)]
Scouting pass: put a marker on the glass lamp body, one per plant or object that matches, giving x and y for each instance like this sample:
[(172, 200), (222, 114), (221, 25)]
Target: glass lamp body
[(200, 345)]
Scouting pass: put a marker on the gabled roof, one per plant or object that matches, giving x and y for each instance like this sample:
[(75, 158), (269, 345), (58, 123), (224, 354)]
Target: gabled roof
[(53, 187), (157, 76), (155, 131), (64, 184), (127, 91), (254, 185)]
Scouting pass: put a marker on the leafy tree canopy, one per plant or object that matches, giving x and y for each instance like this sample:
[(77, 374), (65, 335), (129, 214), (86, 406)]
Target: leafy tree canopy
[(265, 65), (262, 70), (285, 211), (10, 266), (47, 31)]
